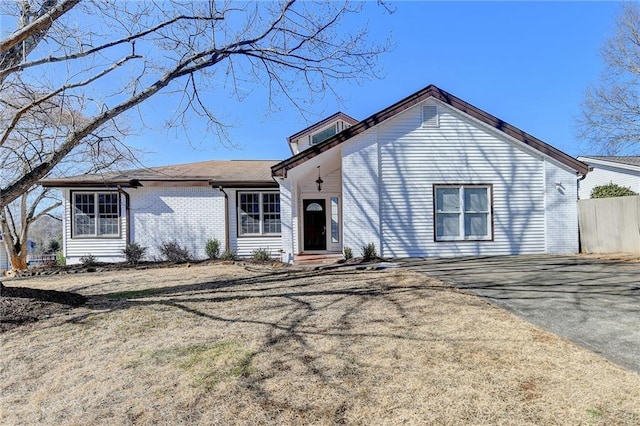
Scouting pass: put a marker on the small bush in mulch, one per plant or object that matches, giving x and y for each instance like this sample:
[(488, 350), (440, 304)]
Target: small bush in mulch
[(21, 305)]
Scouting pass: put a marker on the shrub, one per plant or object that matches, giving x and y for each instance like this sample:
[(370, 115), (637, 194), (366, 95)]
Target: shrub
[(60, 260), (173, 252), (348, 253), (134, 253), (212, 248), (611, 190), (261, 255), (88, 260), (53, 247), (368, 252), (228, 255)]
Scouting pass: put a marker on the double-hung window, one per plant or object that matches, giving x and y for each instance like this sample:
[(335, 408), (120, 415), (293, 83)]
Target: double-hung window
[(259, 213), (462, 212), (96, 214)]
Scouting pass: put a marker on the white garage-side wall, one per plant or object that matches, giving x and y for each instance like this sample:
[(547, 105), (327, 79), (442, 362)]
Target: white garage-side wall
[(561, 209), (398, 165), (189, 215), (360, 192), (103, 249)]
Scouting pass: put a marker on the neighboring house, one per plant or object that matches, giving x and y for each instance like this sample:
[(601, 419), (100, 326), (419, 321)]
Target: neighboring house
[(428, 176), (4, 256), (623, 171), (5, 263)]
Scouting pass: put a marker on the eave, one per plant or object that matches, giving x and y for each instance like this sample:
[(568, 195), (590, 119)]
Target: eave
[(431, 91)]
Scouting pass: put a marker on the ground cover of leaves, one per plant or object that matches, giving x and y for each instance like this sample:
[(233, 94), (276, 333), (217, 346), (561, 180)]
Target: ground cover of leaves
[(233, 344)]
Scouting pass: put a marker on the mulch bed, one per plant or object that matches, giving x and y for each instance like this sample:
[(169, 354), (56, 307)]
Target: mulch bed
[(22, 305)]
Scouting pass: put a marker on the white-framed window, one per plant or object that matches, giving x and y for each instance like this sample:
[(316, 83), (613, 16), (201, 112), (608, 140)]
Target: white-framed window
[(324, 134), (259, 213), (95, 214), (463, 212)]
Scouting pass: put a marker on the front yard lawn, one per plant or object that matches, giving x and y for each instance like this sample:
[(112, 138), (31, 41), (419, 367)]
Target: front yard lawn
[(227, 344)]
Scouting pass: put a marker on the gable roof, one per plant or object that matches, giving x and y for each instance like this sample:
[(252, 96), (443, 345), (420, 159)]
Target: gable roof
[(236, 173), (430, 91), (626, 162), (337, 116)]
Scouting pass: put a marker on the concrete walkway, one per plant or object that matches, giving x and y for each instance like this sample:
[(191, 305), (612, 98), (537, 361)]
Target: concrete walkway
[(594, 303)]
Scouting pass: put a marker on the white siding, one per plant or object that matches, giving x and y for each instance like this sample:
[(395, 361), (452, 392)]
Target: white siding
[(331, 184), (561, 209), (189, 215), (244, 246), (603, 175), (360, 192), (412, 159), (287, 203), (104, 249)]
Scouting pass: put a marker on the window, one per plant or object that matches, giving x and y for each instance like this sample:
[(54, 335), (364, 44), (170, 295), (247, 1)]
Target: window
[(430, 116), (324, 134), (259, 213), (335, 224), (462, 212), (96, 214)]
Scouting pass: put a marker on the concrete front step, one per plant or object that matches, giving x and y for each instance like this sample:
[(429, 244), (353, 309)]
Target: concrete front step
[(317, 259)]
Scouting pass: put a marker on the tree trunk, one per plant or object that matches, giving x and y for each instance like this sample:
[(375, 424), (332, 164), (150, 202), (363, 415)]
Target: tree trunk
[(19, 260)]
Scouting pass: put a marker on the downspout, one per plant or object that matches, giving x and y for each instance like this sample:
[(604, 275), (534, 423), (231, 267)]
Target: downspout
[(226, 218), (127, 217)]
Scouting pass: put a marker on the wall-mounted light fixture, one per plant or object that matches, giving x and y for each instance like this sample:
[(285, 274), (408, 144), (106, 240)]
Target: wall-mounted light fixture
[(319, 181)]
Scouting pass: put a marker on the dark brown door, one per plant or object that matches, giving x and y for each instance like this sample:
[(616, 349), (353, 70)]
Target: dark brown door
[(315, 225)]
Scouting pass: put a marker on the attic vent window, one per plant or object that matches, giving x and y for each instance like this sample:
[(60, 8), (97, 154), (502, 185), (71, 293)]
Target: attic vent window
[(430, 116), (324, 134)]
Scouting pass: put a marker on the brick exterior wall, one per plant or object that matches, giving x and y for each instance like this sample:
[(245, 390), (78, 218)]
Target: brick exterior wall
[(190, 215), (561, 210)]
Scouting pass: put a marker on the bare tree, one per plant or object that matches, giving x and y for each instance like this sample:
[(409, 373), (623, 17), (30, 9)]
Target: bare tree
[(34, 136), (610, 117), (105, 58)]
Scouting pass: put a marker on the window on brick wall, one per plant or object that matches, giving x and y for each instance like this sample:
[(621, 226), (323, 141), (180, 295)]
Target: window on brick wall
[(462, 212), (95, 214), (259, 213)]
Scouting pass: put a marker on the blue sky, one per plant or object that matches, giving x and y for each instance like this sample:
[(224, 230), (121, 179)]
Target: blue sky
[(527, 63)]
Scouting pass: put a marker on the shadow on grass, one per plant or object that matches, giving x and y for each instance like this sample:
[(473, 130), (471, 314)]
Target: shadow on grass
[(295, 309)]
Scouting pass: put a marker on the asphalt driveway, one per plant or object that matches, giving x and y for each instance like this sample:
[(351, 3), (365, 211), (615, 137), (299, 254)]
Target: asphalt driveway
[(594, 303)]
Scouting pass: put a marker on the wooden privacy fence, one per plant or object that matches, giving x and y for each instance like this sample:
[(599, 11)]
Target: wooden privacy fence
[(610, 225)]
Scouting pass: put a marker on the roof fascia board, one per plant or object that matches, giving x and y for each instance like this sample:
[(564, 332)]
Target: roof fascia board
[(242, 184), (321, 123), (86, 184), (609, 163), (517, 143), (412, 100)]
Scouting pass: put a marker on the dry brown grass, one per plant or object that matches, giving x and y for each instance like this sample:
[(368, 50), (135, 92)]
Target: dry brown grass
[(225, 345)]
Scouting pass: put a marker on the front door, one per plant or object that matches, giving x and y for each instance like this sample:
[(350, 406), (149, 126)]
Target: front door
[(315, 225)]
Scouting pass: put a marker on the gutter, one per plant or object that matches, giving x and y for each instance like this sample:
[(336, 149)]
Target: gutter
[(226, 215)]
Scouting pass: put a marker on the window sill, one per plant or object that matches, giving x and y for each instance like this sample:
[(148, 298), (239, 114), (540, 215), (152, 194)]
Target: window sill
[(96, 237), (259, 235), (463, 240)]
